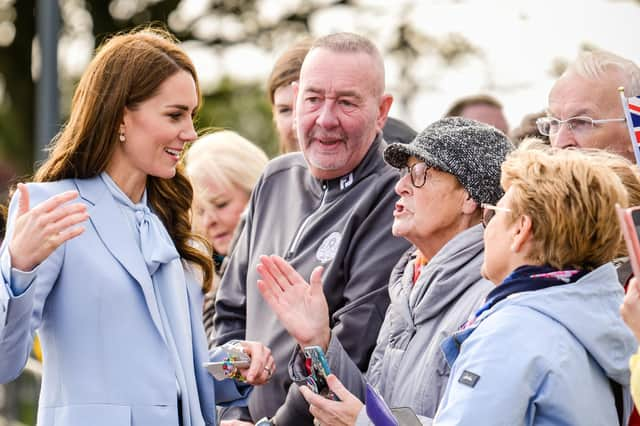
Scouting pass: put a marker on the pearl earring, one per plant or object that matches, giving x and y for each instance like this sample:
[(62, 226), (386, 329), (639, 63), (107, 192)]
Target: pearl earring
[(122, 138)]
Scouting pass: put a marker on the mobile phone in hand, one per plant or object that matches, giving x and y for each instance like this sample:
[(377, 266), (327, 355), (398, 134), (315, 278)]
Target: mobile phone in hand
[(318, 370), (630, 224)]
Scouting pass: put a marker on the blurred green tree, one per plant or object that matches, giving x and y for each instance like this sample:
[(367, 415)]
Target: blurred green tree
[(17, 113), (216, 25), (242, 108)]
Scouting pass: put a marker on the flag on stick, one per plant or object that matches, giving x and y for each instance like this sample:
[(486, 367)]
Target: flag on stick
[(631, 107)]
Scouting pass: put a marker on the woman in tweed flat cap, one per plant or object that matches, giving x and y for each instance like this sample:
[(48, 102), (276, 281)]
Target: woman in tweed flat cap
[(449, 170)]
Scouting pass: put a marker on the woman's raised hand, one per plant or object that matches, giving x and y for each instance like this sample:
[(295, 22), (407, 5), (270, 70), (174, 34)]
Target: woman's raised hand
[(39, 231)]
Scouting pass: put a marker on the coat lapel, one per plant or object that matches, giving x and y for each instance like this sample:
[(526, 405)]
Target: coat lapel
[(110, 224)]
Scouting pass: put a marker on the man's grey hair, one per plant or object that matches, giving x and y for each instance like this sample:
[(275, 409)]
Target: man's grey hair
[(598, 64), (346, 42)]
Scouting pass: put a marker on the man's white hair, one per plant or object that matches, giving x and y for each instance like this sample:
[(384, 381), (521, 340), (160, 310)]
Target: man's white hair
[(598, 64)]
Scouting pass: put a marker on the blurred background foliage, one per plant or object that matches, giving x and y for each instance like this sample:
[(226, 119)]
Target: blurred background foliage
[(434, 52), (232, 100), (243, 108)]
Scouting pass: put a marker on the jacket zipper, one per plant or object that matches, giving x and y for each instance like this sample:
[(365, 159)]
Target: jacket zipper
[(298, 235)]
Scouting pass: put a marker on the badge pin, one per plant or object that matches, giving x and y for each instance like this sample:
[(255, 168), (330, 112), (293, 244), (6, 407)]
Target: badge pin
[(468, 378), (329, 247)]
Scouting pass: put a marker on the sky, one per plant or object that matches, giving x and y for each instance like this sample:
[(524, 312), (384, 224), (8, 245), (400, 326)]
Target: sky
[(520, 52), (520, 41)]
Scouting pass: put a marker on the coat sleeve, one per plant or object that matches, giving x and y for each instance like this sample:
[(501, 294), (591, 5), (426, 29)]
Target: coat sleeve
[(489, 382), (348, 372), (296, 408), (22, 298), (229, 393), (374, 372)]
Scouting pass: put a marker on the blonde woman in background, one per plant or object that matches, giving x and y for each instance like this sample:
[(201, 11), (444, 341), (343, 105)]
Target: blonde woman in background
[(223, 168)]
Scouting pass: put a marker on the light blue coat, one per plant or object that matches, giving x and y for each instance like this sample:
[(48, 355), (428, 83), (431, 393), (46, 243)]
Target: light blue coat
[(543, 357), (105, 360)]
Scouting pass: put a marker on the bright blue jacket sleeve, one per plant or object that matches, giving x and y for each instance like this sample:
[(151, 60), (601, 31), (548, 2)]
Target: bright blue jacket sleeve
[(229, 393)]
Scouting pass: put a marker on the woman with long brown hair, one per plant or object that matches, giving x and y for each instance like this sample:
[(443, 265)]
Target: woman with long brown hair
[(99, 256)]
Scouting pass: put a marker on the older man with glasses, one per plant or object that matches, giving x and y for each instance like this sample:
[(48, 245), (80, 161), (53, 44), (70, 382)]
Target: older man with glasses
[(584, 105)]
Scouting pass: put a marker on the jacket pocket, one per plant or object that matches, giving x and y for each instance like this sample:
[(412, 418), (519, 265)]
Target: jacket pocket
[(92, 414)]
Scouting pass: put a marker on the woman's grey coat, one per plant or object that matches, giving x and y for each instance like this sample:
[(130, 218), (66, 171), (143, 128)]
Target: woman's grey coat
[(407, 366)]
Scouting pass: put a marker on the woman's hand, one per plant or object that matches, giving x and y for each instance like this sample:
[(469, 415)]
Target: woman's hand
[(262, 364), (301, 308), (39, 231), (630, 308), (329, 412)]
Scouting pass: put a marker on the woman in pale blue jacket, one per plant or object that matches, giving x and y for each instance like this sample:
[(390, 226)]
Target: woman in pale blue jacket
[(99, 256), (549, 346)]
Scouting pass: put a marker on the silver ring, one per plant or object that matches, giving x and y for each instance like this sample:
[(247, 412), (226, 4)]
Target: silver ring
[(268, 370)]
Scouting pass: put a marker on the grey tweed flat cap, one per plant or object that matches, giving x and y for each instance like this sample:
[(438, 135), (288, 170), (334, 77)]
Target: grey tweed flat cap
[(469, 150)]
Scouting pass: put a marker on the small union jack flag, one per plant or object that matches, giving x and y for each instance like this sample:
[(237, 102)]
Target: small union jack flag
[(631, 108)]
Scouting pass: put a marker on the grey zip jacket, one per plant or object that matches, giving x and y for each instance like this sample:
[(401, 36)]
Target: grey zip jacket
[(343, 224), (407, 367)]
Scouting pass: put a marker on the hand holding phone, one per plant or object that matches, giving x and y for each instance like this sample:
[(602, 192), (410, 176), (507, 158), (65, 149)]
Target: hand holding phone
[(318, 370), (229, 367), (226, 369)]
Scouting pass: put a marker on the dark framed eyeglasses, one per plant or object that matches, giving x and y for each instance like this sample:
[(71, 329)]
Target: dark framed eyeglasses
[(489, 211), (418, 172), (549, 126)]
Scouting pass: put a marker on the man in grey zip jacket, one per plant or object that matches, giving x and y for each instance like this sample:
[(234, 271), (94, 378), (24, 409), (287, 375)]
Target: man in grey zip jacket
[(329, 205)]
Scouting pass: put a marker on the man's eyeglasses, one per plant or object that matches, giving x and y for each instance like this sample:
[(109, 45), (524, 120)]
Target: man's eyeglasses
[(489, 211), (418, 173), (549, 126)]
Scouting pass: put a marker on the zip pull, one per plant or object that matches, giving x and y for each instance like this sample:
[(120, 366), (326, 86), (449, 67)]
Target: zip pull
[(298, 235)]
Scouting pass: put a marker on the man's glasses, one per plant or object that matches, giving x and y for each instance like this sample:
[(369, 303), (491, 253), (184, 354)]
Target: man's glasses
[(550, 126), (489, 211), (418, 173)]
